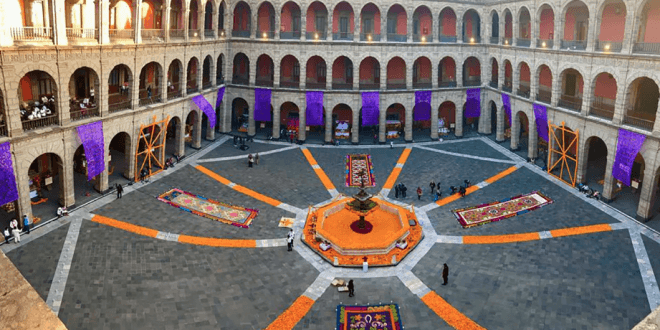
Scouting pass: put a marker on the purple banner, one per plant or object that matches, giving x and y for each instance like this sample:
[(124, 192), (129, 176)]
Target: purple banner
[(221, 95), (370, 108), (507, 106), (314, 111), (627, 148), (91, 136), (262, 104), (422, 110), (206, 107), (541, 117), (9, 191), (473, 103)]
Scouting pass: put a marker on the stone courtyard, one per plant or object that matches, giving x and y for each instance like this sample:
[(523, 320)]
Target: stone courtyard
[(574, 264)]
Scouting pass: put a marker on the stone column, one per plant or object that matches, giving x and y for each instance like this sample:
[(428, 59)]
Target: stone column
[(559, 30), (183, 79), (656, 126), (556, 90), (501, 73), (197, 131), (591, 29), (130, 150), (225, 115), (533, 32), (409, 76), (252, 128), (137, 20), (327, 125), (383, 76), (5, 35), (619, 106), (276, 119), (587, 93), (583, 156), (459, 74), (409, 23), (501, 119), (23, 205), (104, 21), (383, 27), (179, 142), (435, 30), (647, 195), (186, 20), (435, 104), (459, 29), (59, 24), (166, 23), (328, 35), (516, 29), (303, 25), (67, 195), (533, 139), (609, 181), (328, 76), (382, 122), (516, 80), (355, 128), (434, 75), (252, 71), (629, 35), (303, 75), (101, 182), (515, 131), (484, 116), (200, 23), (458, 131), (408, 128), (134, 85), (302, 115)]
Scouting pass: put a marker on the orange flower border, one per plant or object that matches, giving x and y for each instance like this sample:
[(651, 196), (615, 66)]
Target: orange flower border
[(292, 315), (448, 313)]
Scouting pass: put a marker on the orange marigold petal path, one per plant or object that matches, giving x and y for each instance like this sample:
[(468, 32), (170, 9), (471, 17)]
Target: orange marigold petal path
[(472, 189), (494, 239), (144, 231), (580, 230), (448, 313), (319, 171), (290, 317), (239, 188), (397, 170)]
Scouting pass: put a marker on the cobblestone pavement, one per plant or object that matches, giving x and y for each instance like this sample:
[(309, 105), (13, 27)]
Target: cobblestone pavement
[(122, 280)]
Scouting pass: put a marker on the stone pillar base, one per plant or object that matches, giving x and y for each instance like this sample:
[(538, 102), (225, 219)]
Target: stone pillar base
[(642, 219)]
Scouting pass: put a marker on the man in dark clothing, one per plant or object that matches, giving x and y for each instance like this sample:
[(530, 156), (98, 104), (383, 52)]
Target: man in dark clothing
[(26, 224), (396, 191), (462, 191), (445, 273), (403, 191), (467, 183), (432, 185), (120, 190), (453, 189), (351, 288)]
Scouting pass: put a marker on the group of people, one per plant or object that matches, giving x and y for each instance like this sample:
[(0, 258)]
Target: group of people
[(400, 190), (253, 159), (15, 231)]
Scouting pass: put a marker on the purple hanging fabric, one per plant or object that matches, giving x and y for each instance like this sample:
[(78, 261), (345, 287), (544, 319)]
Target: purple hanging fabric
[(262, 104), (627, 148), (422, 106), (9, 191), (473, 103), (221, 95), (91, 136), (370, 108), (314, 111), (507, 106), (541, 117), (206, 107)]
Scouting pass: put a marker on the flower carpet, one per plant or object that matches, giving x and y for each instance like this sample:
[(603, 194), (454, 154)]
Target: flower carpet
[(355, 164), (495, 211), (376, 317), (208, 208)]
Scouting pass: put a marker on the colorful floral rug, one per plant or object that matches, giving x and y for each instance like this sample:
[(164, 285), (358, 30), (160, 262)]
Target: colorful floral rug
[(485, 213), (377, 317), (208, 208), (356, 164)]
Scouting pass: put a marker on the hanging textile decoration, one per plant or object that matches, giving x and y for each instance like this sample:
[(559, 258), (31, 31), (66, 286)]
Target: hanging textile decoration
[(627, 148), (221, 94), (262, 104), (314, 111), (9, 191), (422, 105), (206, 107), (91, 136), (473, 104), (370, 108), (541, 117), (507, 106)]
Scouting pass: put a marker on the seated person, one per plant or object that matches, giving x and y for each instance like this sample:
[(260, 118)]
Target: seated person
[(61, 211)]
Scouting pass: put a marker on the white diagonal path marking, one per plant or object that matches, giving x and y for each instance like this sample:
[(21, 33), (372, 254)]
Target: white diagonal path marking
[(467, 156), (648, 277), (413, 283), (502, 150), (322, 282), (220, 159)]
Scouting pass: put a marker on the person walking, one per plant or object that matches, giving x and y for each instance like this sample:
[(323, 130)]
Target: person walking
[(432, 185), (403, 190), (120, 191), (14, 230), (467, 183), (445, 274), (391, 144), (256, 158), (26, 224), (250, 160), (289, 240), (6, 234), (419, 193), (351, 288), (438, 194), (462, 191), (396, 191)]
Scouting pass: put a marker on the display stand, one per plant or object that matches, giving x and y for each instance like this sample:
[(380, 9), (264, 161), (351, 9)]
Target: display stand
[(392, 128)]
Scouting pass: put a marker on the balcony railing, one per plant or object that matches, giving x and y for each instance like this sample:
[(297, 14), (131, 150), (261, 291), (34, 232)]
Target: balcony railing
[(573, 44), (266, 35), (219, 80), (76, 113), (393, 37), (342, 85), (119, 106), (207, 84), (647, 47), (523, 42), (507, 41), (348, 36), (392, 85), (290, 84), (544, 43), (3, 129), (174, 94), (315, 85), (447, 84), (544, 96), (240, 33), (263, 82), (193, 34), (209, 34), (422, 38), (601, 109), (493, 83), (295, 35), (177, 34), (146, 100), (191, 89), (80, 33), (523, 92), (374, 85), (609, 46), (471, 82), (31, 33), (570, 102), (494, 40), (369, 37), (116, 34), (472, 40), (154, 35), (508, 87), (422, 84), (238, 80), (315, 35), (447, 38), (29, 125), (638, 122)]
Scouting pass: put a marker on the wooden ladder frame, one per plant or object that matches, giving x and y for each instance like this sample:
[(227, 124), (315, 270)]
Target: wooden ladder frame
[(563, 151)]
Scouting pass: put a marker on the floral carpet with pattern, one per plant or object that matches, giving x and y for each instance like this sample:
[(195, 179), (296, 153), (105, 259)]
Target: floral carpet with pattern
[(376, 317), (355, 164), (208, 208), (495, 211)]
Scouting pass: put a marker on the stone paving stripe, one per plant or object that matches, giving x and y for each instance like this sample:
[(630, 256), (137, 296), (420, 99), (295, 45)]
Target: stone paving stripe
[(413, 283), (502, 150), (467, 156), (580, 230), (144, 231), (645, 269), (450, 239), (56, 292), (318, 170), (293, 314), (275, 242), (545, 234), (448, 313), (220, 159), (397, 169), (239, 188), (494, 239)]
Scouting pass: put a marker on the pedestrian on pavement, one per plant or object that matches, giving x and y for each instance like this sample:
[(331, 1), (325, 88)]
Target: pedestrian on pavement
[(6, 234), (467, 183), (403, 190), (453, 189), (291, 137), (462, 191), (120, 190), (419, 193), (289, 240), (391, 144), (432, 185), (445, 273), (14, 230), (250, 160), (351, 288), (256, 158), (438, 194), (396, 191), (26, 224)]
